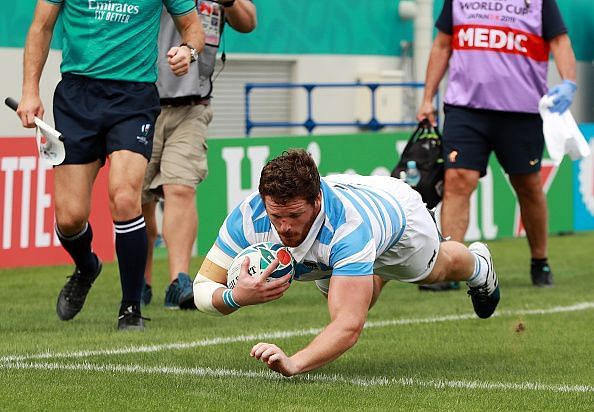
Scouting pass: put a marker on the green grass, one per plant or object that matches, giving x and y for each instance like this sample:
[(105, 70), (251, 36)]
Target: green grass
[(421, 362)]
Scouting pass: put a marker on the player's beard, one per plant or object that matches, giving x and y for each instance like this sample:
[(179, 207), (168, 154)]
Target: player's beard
[(294, 239)]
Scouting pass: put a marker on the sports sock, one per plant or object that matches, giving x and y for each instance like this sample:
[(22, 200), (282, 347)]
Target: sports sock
[(132, 307), (131, 248), (481, 268), (78, 247), (539, 263)]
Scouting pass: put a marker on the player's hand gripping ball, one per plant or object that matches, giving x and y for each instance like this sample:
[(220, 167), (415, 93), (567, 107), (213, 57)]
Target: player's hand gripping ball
[(261, 256)]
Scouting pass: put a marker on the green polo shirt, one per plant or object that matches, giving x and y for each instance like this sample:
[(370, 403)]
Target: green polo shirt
[(114, 39)]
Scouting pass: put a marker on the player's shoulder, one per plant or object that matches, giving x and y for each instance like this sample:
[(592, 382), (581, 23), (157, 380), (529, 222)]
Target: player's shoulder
[(247, 210), (252, 207), (250, 218)]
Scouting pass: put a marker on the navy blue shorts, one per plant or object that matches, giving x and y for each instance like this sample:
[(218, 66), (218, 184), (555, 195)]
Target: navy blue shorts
[(98, 117), (470, 135)]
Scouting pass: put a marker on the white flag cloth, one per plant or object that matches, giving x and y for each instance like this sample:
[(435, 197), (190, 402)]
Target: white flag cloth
[(561, 133), (52, 150)]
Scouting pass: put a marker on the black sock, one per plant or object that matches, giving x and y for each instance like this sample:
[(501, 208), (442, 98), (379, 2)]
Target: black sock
[(539, 262), (131, 248), (78, 247), (134, 308)]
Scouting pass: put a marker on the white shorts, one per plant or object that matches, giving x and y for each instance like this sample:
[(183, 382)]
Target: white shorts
[(413, 257)]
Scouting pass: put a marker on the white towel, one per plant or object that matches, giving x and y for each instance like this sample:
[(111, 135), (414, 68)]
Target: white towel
[(561, 133)]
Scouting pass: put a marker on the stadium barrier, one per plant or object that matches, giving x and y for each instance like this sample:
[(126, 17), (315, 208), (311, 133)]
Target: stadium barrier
[(235, 165), (27, 219), (374, 123), (26, 191)]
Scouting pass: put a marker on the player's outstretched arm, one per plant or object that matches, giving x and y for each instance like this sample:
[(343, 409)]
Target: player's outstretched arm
[(348, 301)]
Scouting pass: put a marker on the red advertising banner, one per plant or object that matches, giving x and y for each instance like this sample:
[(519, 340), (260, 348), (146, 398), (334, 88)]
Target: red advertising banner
[(27, 236)]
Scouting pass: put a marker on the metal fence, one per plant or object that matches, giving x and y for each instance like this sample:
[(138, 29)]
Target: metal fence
[(310, 123)]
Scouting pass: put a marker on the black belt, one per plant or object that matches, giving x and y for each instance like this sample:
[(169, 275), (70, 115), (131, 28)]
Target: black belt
[(184, 101)]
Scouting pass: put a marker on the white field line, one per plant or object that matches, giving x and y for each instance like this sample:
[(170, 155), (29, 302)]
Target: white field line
[(280, 335), (317, 378)]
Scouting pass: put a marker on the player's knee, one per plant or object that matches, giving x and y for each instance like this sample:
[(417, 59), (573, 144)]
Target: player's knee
[(180, 192), (460, 182), (124, 204), (71, 219), (528, 188), (70, 224)]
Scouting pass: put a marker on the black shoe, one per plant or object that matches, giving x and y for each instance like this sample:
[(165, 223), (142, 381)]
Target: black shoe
[(541, 274), (131, 319), (440, 286), (147, 294), (72, 296), (485, 298)]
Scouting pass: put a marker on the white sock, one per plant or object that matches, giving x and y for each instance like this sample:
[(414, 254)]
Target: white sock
[(481, 268)]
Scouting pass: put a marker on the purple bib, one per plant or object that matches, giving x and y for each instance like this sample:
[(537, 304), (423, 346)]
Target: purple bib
[(499, 59)]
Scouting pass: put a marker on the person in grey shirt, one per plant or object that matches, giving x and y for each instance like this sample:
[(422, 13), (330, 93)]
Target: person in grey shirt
[(179, 163)]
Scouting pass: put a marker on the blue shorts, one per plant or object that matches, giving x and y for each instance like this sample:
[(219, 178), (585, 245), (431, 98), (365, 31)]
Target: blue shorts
[(470, 135), (98, 117)]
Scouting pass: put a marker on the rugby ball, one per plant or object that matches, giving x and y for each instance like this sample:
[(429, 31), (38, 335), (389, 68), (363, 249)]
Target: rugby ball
[(261, 256)]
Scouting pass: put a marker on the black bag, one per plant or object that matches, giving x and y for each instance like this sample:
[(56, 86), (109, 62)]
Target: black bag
[(424, 147)]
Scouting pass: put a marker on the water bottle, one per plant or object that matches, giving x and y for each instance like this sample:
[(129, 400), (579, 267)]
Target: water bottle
[(413, 176)]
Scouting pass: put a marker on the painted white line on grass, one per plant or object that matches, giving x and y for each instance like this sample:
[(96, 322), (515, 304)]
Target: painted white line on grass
[(316, 378), (281, 334)]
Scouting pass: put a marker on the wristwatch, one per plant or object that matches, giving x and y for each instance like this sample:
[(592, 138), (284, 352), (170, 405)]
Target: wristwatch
[(193, 52)]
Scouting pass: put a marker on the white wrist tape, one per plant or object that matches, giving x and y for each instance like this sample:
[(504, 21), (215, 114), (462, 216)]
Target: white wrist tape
[(204, 288), (228, 299)]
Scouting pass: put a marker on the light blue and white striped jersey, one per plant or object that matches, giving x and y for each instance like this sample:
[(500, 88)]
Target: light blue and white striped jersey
[(360, 218)]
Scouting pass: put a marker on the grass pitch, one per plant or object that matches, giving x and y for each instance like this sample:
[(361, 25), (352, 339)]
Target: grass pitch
[(420, 351)]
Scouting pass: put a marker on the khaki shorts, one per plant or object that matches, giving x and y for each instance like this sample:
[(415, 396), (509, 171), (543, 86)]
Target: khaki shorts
[(179, 150)]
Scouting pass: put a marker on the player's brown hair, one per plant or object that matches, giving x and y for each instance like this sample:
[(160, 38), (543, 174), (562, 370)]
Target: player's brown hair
[(290, 176)]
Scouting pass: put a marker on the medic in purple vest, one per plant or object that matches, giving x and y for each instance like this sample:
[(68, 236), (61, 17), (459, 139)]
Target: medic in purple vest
[(497, 53)]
